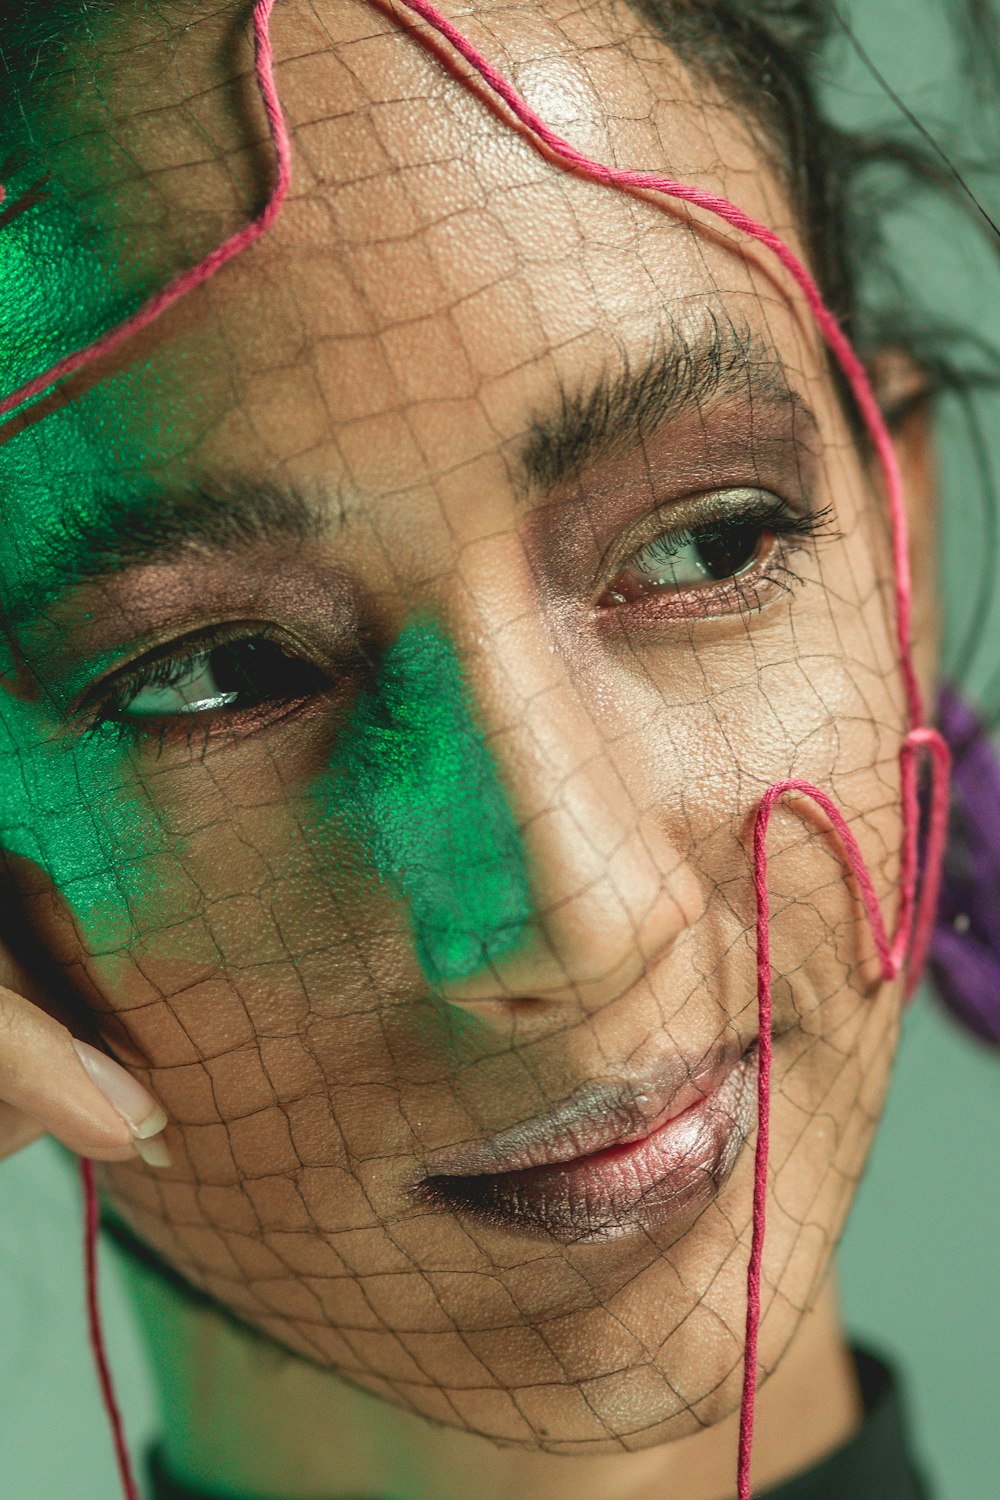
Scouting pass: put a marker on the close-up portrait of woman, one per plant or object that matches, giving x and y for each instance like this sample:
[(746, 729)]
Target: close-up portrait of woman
[(496, 691)]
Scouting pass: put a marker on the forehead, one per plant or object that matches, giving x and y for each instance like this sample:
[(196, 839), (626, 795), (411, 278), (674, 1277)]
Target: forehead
[(432, 274)]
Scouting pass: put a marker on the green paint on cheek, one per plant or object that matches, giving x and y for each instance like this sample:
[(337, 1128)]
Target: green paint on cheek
[(65, 807), (414, 786), (69, 271)]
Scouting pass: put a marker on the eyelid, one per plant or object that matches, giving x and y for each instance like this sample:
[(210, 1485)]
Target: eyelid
[(699, 511), (135, 673)]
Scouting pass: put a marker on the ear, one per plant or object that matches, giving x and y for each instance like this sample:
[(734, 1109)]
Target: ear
[(904, 393)]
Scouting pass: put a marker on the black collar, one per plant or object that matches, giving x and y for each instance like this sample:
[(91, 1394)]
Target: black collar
[(874, 1464)]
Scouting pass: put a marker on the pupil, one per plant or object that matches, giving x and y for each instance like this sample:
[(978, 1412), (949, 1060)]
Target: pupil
[(258, 671), (725, 553)]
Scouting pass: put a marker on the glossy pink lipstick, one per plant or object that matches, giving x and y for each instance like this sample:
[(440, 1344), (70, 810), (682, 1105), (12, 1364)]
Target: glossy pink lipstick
[(611, 1160)]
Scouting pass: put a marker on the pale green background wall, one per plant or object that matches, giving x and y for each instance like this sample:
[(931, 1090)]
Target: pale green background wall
[(920, 1260), (921, 1257)]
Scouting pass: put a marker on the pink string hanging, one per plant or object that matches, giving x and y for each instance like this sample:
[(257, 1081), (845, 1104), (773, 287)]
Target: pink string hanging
[(915, 915), (91, 1219), (77, 360)]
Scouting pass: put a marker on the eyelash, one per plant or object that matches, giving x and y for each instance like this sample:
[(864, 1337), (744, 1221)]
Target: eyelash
[(792, 530), (105, 708)]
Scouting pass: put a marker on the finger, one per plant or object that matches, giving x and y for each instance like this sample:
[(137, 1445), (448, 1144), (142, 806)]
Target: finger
[(16, 1130), (69, 1088)]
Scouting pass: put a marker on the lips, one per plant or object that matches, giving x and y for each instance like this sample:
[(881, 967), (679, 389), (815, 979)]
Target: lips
[(611, 1160)]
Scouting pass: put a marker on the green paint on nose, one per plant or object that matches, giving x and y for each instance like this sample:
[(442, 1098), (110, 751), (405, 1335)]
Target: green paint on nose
[(414, 784)]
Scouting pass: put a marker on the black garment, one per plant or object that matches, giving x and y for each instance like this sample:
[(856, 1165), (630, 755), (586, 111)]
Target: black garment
[(874, 1464)]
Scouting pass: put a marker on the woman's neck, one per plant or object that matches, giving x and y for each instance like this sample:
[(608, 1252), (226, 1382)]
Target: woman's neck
[(242, 1420)]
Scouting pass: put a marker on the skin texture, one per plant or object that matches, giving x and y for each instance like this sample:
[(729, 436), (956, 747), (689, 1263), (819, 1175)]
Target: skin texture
[(322, 988)]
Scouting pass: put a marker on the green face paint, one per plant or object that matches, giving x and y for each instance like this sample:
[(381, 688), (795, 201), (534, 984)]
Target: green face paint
[(66, 809), (64, 280), (68, 271), (414, 786), (69, 801)]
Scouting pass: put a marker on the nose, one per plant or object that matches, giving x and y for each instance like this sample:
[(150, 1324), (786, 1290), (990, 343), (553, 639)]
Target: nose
[(608, 890), (501, 815)]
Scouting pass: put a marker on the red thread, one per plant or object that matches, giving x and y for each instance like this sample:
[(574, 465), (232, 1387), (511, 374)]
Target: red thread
[(92, 1215), (188, 280), (937, 838), (890, 962), (915, 916)]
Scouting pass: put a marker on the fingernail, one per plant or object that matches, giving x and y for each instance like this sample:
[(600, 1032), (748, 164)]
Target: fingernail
[(135, 1104), (154, 1153)]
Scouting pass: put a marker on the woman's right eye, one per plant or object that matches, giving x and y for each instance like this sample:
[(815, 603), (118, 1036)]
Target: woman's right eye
[(226, 678)]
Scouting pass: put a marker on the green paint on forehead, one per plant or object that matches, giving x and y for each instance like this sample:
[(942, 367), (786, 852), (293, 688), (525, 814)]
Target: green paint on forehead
[(71, 268), (414, 786)]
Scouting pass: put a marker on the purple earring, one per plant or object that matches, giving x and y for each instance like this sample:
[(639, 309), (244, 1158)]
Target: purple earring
[(965, 948)]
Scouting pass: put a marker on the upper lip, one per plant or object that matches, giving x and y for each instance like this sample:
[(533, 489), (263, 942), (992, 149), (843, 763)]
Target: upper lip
[(597, 1115)]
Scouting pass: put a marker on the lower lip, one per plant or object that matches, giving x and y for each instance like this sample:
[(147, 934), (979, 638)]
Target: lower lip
[(662, 1180)]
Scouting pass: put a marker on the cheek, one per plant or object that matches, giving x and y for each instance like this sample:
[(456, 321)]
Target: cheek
[(803, 693), (81, 821)]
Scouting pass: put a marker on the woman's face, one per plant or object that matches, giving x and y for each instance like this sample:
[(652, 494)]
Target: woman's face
[(403, 633)]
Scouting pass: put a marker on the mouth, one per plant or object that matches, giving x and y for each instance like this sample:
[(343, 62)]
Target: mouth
[(610, 1161)]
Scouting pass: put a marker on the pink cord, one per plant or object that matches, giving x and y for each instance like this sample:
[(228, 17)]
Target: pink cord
[(92, 1215), (915, 916)]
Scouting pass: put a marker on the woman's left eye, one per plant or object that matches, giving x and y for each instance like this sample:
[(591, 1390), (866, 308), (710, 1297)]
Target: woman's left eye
[(719, 550), (232, 675)]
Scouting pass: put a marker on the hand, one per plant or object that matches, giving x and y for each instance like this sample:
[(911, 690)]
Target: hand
[(50, 1081)]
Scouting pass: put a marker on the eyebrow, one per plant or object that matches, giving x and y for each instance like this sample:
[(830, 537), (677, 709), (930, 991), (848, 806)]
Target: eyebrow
[(218, 512), (121, 529), (625, 406)]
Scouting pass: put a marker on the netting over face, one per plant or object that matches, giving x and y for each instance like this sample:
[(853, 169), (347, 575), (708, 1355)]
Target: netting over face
[(402, 639)]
